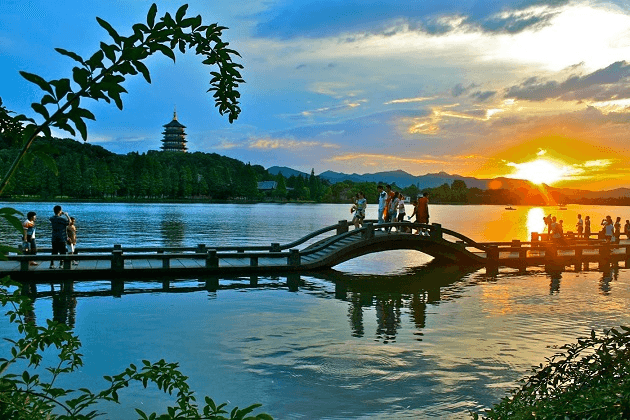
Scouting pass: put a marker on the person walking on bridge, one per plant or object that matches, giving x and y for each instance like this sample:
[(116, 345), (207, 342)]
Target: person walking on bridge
[(382, 198), (422, 210)]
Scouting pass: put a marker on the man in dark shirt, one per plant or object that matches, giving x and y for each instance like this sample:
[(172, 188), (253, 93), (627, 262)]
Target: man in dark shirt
[(59, 235)]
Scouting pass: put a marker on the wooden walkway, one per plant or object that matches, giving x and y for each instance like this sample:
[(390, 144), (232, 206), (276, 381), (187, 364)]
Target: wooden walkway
[(328, 247)]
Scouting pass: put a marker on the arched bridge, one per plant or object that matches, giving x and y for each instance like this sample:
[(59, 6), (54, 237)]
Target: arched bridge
[(319, 250)]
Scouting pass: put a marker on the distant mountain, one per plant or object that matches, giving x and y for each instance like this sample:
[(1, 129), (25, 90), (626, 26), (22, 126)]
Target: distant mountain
[(286, 172), (403, 179)]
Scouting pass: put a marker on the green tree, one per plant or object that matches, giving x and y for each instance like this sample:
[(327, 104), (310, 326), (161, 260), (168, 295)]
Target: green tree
[(35, 394)]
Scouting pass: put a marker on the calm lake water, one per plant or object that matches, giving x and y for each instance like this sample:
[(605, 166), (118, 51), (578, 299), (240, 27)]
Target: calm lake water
[(385, 336)]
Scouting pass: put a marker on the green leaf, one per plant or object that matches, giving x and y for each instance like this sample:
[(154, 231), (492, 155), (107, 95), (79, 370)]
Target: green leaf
[(81, 76), (166, 51), (96, 60), (39, 81), (181, 12), (109, 52), (62, 87), (143, 69), (112, 32), (80, 125), (40, 109), (48, 99), (9, 214), (74, 56), (151, 15)]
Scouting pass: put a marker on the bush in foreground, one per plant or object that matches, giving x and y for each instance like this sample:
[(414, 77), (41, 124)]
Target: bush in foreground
[(586, 380)]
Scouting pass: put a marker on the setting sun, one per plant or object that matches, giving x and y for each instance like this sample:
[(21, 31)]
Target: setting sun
[(538, 171)]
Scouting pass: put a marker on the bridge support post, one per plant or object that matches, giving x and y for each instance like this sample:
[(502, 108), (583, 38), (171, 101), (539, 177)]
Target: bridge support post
[(253, 261), (368, 233), (577, 265), (166, 262), (24, 265), (294, 258), (212, 260), (201, 249), (275, 247), (436, 230), (253, 280), (212, 283), (293, 282), (118, 263), (604, 257), (342, 227), (492, 260)]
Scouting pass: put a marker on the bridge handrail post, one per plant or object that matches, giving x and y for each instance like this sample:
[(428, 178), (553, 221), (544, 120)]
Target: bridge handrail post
[(253, 261), (294, 258), (212, 260), (118, 262), (368, 233), (492, 254), (436, 231), (201, 249), (627, 256), (275, 247), (342, 227), (24, 264)]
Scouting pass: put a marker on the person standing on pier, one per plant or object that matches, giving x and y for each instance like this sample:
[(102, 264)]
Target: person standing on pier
[(626, 229), (587, 227), (580, 226), (29, 234), (59, 233), (609, 228), (617, 229)]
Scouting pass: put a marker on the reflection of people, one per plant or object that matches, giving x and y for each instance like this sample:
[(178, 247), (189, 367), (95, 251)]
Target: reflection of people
[(59, 234), (71, 231), (29, 234)]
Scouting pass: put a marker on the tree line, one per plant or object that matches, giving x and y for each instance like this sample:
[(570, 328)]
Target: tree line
[(84, 171)]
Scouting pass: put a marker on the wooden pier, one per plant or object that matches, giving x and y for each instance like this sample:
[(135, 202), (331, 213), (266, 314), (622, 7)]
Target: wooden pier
[(319, 250)]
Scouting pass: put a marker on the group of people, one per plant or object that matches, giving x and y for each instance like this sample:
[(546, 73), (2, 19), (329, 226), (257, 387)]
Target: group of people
[(611, 230), (64, 235), (391, 207)]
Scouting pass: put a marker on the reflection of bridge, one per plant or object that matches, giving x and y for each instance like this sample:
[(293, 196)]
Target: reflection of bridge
[(387, 295), (322, 249)]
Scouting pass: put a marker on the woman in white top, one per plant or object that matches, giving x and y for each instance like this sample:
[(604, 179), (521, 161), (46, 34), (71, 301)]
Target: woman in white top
[(401, 207)]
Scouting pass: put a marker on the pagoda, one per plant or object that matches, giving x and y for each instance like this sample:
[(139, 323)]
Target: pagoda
[(174, 136)]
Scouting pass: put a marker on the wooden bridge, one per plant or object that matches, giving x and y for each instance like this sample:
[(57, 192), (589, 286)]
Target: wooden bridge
[(319, 250)]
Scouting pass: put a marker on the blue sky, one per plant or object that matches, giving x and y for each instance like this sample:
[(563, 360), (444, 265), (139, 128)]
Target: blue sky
[(475, 88)]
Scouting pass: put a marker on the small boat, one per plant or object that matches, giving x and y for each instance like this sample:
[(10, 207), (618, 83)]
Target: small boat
[(510, 208)]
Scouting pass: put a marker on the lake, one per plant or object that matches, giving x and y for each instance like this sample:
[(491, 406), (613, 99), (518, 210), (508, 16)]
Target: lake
[(385, 336)]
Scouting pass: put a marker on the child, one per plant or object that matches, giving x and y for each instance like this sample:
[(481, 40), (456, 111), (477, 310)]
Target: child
[(29, 235), (71, 230)]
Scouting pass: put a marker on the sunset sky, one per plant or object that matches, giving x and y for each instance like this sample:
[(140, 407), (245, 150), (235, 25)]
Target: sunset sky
[(534, 89)]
